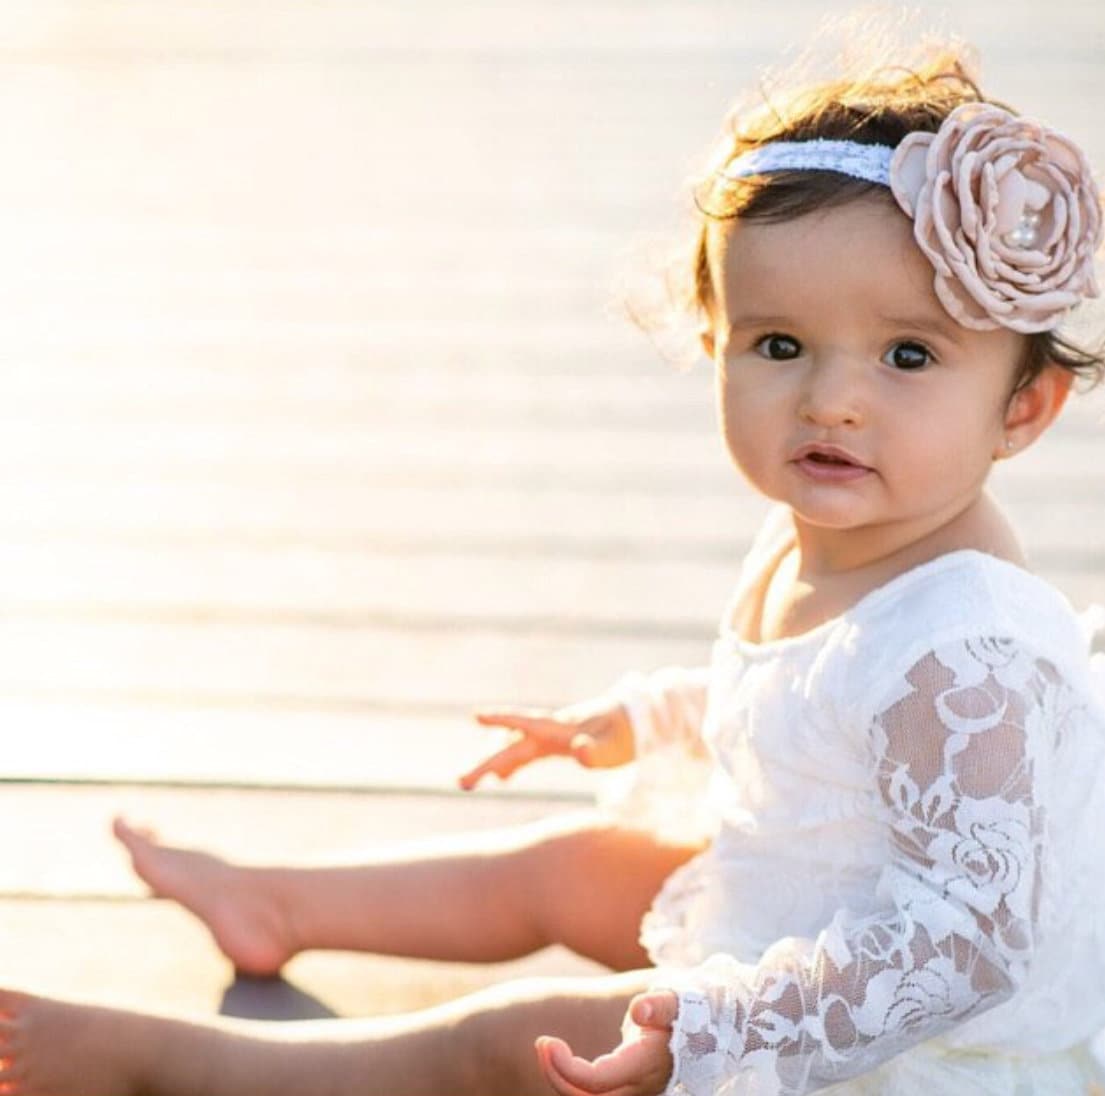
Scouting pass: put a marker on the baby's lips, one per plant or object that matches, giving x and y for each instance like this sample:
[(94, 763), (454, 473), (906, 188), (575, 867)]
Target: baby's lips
[(828, 453)]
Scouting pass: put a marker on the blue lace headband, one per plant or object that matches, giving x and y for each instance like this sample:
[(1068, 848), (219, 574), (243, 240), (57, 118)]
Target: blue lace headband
[(870, 162)]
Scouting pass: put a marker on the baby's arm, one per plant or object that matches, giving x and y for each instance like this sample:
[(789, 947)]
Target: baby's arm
[(638, 715), (959, 753), (640, 1066)]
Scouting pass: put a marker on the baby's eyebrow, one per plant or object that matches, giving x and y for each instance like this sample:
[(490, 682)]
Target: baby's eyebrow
[(757, 319), (924, 321)]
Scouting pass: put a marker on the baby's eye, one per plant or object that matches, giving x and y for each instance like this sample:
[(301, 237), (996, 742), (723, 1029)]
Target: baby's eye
[(908, 356), (779, 348)]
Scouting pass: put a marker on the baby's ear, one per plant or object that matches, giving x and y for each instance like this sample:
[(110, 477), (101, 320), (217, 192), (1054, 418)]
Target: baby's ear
[(1033, 408)]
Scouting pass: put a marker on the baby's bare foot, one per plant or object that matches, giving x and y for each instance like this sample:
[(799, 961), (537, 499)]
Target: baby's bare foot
[(237, 904), (52, 1048)]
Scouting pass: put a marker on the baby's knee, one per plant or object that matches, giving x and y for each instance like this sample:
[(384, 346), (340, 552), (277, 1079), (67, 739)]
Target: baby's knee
[(587, 883)]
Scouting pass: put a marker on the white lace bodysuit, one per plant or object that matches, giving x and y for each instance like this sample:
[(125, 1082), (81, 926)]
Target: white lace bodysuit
[(905, 889)]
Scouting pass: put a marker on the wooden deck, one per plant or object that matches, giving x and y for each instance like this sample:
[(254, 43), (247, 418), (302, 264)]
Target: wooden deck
[(318, 428)]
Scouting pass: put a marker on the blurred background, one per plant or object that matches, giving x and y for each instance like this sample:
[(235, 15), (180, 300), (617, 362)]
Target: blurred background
[(319, 423)]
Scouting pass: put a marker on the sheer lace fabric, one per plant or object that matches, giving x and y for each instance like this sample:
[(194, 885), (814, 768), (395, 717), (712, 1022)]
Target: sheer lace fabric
[(904, 893)]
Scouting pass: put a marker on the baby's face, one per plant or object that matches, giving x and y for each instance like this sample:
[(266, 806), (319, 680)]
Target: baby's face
[(844, 388)]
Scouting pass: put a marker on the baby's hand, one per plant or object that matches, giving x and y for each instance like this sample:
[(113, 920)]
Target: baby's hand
[(640, 1066), (597, 733)]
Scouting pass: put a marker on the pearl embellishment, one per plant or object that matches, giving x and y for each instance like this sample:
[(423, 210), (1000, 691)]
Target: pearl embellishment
[(1026, 233)]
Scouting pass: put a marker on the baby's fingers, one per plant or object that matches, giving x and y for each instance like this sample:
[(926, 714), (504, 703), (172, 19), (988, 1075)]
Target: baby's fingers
[(632, 1069), (584, 749), (559, 736), (552, 1056), (654, 1009), (537, 723), (504, 763)]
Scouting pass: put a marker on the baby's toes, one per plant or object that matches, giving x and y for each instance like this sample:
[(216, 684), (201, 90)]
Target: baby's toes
[(12, 1076), (13, 1073)]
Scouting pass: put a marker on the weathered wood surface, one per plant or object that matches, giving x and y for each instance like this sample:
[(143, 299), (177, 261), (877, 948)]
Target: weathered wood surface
[(318, 425)]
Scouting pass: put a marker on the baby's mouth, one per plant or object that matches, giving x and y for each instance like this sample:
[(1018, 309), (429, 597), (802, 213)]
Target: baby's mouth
[(828, 458), (828, 462)]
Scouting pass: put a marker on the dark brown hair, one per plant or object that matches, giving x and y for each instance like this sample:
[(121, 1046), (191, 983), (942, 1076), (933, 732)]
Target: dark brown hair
[(880, 107)]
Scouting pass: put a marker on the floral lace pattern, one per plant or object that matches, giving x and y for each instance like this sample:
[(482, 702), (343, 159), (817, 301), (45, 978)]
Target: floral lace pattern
[(960, 757), (904, 887)]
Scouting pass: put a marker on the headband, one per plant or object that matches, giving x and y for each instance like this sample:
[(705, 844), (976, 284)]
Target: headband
[(870, 162), (1005, 209)]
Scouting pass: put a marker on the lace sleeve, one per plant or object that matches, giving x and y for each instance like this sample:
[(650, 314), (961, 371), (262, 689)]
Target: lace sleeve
[(665, 790), (666, 708), (957, 753)]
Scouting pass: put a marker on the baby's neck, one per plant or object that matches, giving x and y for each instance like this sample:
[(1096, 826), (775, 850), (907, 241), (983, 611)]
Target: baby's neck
[(817, 577), (881, 552)]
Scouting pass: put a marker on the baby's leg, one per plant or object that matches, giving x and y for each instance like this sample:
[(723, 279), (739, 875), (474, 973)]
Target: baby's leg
[(482, 1044), (478, 897)]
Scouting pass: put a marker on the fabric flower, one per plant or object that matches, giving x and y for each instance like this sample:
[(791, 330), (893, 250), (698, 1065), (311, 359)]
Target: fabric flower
[(916, 999), (1006, 211), (989, 860)]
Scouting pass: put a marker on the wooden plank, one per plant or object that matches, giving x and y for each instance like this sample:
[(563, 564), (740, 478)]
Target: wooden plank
[(380, 445), (451, 519), (252, 743), (308, 583), (281, 665), (336, 27), (66, 849), (221, 385)]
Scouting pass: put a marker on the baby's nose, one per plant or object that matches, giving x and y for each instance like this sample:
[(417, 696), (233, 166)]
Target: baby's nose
[(833, 394)]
